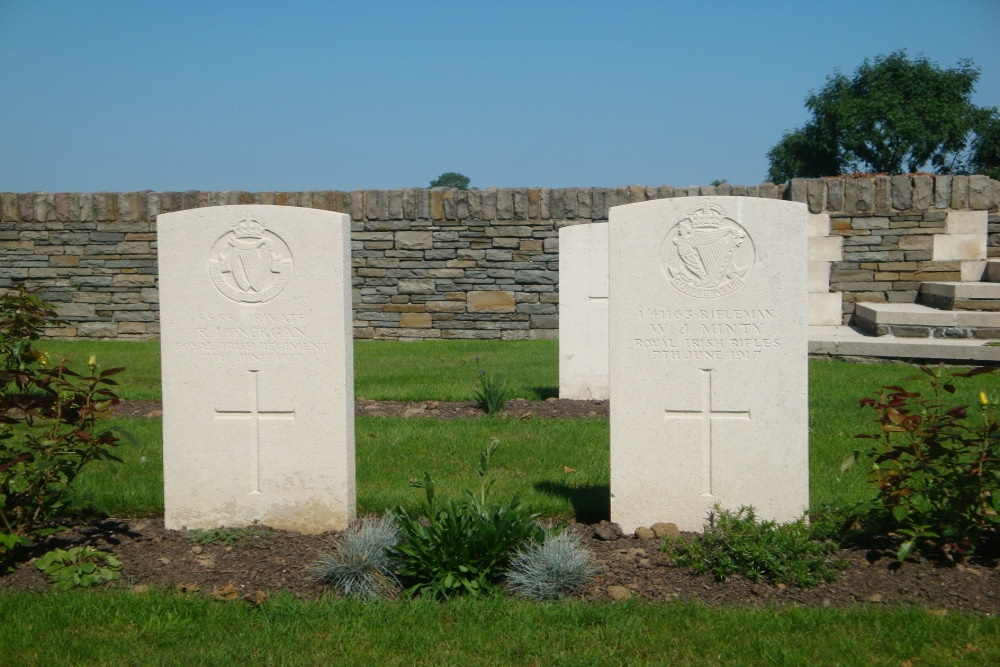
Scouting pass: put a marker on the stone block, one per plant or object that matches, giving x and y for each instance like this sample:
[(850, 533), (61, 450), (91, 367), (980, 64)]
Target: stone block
[(824, 309), (819, 277), (415, 320), (819, 224), (417, 286), (531, 277), (981, 195), (966, 222), (410, 240), (959, 246), (97, 330), (902, 192), (493, 301), (825, 249), (916, 242)]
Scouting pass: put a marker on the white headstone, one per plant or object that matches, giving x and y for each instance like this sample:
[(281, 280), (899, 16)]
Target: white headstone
[(256, 345), (583, 311), (708, 360)]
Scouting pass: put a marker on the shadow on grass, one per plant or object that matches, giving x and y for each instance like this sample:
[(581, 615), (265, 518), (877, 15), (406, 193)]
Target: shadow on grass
[(591, 502), (545, 392)]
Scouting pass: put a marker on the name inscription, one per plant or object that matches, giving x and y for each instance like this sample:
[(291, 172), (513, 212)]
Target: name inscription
[(280, 338), (706, 334)]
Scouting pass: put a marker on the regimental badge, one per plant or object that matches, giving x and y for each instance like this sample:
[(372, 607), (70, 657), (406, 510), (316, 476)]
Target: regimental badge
[(707, 254), (250, 263)]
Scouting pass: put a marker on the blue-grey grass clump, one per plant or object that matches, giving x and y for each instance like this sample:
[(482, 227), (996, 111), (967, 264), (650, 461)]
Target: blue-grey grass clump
[(553, 568), (360, 565)]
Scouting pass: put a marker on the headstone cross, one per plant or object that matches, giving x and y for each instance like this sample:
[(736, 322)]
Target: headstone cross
[(255, 414), (707, 415)]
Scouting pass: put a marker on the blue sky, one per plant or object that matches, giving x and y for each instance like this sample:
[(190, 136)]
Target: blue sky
[(312, 95)]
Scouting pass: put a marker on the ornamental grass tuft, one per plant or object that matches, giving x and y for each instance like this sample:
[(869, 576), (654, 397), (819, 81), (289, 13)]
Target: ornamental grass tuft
[(360, 565), (551, 569)]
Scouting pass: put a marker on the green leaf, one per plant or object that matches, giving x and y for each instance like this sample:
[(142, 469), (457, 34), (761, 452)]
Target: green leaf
[(905, 549)]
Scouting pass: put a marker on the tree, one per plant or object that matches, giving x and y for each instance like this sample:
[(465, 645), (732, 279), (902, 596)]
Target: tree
[(451, 179), (895, 115)]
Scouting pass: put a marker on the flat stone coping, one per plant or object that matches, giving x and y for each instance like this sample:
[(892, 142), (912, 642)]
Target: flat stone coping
[(962, 290), (920, 315), (843, 341)]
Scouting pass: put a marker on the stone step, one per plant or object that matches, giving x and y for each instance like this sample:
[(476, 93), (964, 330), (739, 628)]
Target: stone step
[(960, 295), (914, 320)]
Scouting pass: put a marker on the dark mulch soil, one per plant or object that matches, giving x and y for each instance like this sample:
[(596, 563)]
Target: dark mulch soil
[(274, 561)]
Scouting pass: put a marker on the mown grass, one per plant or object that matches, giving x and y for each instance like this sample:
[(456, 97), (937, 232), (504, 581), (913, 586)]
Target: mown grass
[(430, 370), (561, 469), (125, 628), (141, 359), (534, 454)]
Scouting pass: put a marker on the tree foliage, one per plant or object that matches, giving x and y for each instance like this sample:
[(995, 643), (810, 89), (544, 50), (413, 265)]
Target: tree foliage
[(451, 179), (894, 115)]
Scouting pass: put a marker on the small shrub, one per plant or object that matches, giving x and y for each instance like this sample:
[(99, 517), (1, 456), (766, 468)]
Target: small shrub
[(361, 565), (48, 426), (48, 433), (22, 315), (556, 567), (936, 468), (79, 567), (461, 547), (492, 395), (759, 550)]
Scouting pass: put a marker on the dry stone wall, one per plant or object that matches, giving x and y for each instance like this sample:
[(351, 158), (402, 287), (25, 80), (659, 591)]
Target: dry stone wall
[(460, 264)]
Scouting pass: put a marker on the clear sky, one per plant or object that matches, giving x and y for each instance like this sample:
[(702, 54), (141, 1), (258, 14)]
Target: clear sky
[(253, 95)]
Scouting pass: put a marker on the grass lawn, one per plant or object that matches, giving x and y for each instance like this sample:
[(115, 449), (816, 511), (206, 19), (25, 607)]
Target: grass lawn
[(560, 467), (170, 629)]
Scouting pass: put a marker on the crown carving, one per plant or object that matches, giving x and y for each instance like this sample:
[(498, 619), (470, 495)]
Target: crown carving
[(707, 216), (248, 227)]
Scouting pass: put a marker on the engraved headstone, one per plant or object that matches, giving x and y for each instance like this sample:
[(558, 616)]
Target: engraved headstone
[(583, 311), (708, 359), (258, 418)]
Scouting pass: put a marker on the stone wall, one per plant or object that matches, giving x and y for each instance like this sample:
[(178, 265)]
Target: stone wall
[(478, 264)]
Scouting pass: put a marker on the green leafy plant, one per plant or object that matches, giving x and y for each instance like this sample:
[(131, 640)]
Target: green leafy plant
[(935, 466), (557, 566), (738, 543), (461, 547), (493, 394), (360, 564), (22, 315), (79, 567), (248, 536), (49, 430)]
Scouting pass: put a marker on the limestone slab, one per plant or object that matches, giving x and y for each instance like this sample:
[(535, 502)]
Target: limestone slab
[(583, 311), (920, 315), (966, 222), (708, 359), (959, 246), (258, 419), (826, 309), (825, 248), (962, 290), (819, 277)]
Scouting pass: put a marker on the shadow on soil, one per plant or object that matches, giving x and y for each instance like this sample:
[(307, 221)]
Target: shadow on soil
[(591, 503), (545, 392)]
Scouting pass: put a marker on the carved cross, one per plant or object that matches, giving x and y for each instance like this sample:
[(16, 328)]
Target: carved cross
[(707, 416), (255, 414)]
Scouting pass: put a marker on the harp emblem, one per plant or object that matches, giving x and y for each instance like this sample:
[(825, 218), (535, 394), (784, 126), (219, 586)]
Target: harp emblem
[(707, 254), (250, 263)]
